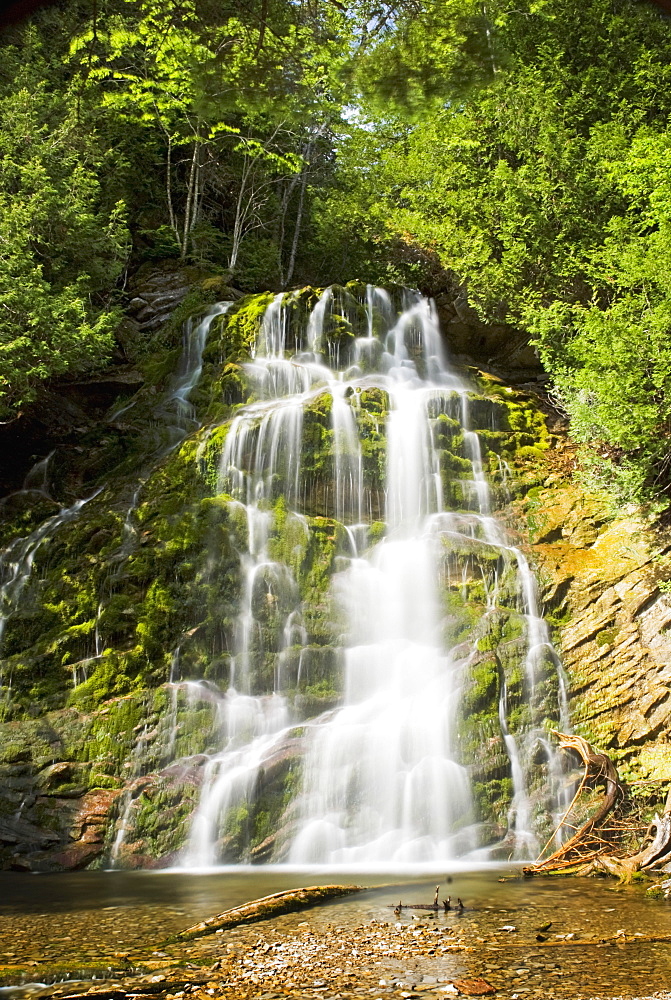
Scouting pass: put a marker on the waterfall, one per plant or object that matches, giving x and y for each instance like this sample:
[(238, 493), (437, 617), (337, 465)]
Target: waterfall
[(16, 566), (185, 380), (368, 679), (385, 774)]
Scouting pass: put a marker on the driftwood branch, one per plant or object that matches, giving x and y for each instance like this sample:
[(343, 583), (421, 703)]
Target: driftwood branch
[(268, 906), (658, 852), (599, 769), (591, 849)]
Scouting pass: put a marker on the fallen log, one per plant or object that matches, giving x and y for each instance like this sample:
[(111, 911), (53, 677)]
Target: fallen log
[(268, 906), (135, 987)]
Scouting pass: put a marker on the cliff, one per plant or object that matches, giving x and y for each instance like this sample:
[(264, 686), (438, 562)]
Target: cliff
[(121, 609), (606, 578)]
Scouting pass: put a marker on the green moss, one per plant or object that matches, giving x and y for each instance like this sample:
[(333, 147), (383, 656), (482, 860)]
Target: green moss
[(326, 540), (221, 389), (482, 689), (530, 453), (233, 335), (290, 538), (607, 637), (109, 678), (156, 368), (14, 753), (106, 737), (376, 532), (492, 799), (160, 818)]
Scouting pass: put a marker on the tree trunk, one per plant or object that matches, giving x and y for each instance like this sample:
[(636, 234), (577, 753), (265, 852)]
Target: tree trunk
[(168, 191), (286, 198), (299, 215), (238, 226), (191, 201)]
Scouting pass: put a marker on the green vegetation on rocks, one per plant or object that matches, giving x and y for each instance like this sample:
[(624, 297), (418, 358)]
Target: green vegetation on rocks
[(143, 587)]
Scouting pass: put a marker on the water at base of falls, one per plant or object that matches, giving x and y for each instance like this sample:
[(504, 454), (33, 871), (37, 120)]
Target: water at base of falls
[(384, 774)]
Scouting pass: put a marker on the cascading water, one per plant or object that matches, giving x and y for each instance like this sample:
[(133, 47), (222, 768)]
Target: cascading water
[(384, 775), (16, 566), (367, 679), (177, 413), (190, 366)]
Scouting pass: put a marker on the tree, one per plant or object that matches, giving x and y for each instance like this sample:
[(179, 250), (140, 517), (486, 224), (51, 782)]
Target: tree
[(61, 247), (228, 96), (527, 145)]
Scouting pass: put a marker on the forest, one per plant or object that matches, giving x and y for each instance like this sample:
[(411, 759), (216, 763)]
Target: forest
[(518, 152)]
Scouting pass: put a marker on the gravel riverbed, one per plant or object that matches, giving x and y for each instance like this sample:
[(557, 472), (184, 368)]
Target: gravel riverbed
[(408, 960), (513, 940)]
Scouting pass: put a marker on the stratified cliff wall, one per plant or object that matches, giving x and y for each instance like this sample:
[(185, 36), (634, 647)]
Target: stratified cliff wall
[(605, 575)]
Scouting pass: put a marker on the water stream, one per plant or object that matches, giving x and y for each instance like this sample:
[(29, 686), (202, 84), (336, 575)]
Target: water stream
[(383, 776), (16, 566), (47, 932), (17, 559)]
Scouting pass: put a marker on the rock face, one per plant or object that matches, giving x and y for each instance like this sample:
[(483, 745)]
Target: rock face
[(499, 348), (156, 290), (605, 581), (101, 759)]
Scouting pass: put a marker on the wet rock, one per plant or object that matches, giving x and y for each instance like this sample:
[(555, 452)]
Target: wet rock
[(501, 347), (51, 780), (78, 856), (474, 987), (17, 831), (157, 289)]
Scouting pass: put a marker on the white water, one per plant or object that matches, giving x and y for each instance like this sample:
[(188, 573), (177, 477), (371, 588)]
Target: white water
[(16, 562), (16, 566), (129, 798), (177, 419), (383, 779), (191, 363), (380, 781)]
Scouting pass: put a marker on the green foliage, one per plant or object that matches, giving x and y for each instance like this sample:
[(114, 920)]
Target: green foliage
[(196, 130), (440, 55), (62, 242), (529, 149), (524, 149)]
